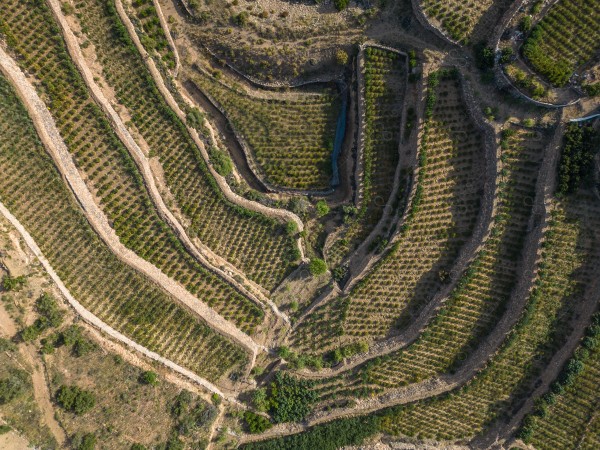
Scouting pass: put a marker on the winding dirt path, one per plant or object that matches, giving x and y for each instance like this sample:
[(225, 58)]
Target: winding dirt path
[(40, 386), (42, 393), (50, 136)]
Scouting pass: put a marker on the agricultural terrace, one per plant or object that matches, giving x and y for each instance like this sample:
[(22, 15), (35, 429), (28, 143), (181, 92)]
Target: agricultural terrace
[(477, 302), (457, 18), (569, 415), (254, 243), (442, 216), (33, 190), (567, 266), (565, 40), (110, 171), (153, 37), (290, 136), (384, 75)]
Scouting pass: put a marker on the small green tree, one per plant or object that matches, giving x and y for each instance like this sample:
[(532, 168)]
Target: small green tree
[(75, 399), (138, 447), (149, 377), (291, 228), (317, 267), (525, 24), (259, 399), (341, 57), (256, 423), (84, 441), (341, 4), (13, 386), (13, 283), (322, 208)]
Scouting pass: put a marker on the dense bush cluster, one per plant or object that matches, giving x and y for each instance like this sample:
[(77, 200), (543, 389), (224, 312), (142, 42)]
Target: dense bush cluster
[(576, 165), (13, 385), (75, 399), (289, 399), (328, 436), (50, 316)]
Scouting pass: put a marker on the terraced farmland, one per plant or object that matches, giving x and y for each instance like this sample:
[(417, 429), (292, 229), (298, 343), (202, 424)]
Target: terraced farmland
[(456, 18), (254, 243), (33, 190), (111, 172), (495, 392), (568, 417), (290, 136), (154, 39), (441, 218), (565, 40), (481, 295), (387, 245), (385, 80)]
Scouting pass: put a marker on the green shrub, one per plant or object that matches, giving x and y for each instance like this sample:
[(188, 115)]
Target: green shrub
[(592, 90), (13, 283), (484, 56), (291, 228), (290, 399), (322, 208), (341, 4), (328, 436), (138, 447), (13, 385), (577, 158), (149, 377), (260, 399), (84, 441), (341, 57), (7, 346), (525, 24), (242, 19), (4, 429), (75, 400), (558, 72), (506, 55), (220, 161), (317, 267), (256, 423)]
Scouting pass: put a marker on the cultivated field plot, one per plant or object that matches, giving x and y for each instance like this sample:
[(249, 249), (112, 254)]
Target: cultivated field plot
[(33, 190), (479, 299), (254, 243), (110, 171), (571, 417), (291, 139), (385, 77), (153, 38), (565, 40), (495, 391), (441, 219), (456, 18)]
